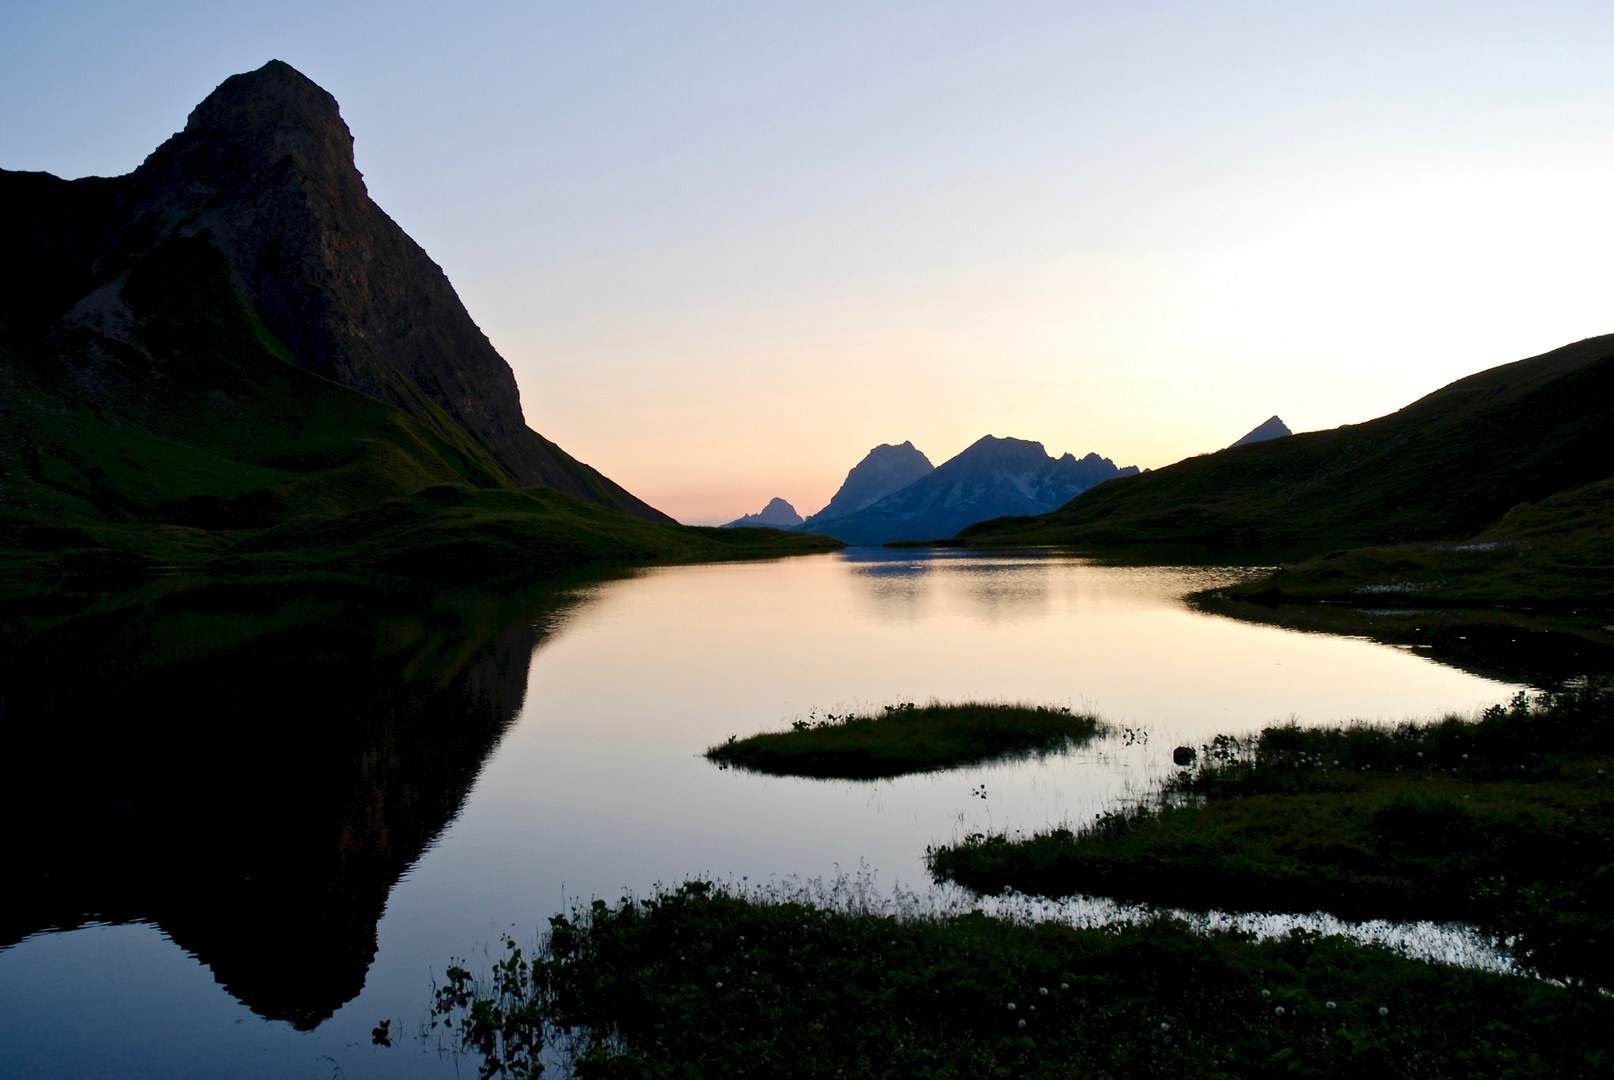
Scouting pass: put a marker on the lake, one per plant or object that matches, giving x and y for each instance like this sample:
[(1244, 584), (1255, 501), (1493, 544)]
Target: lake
[(248, 825)]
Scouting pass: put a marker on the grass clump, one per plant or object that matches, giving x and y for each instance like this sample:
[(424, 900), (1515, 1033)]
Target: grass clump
[(700, 982), (1504, 822), (907, 738)]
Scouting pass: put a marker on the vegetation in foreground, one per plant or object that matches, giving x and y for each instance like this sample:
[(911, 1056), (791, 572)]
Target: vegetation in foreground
[(701, 982), (907, 738), (1504, 822)]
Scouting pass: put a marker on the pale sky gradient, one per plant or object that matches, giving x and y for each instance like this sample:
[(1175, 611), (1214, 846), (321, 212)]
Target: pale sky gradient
[(727, 248)]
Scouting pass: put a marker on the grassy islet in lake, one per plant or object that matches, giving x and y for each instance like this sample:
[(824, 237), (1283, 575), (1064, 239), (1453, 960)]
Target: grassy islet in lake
[(907, 738), (1504, 821)]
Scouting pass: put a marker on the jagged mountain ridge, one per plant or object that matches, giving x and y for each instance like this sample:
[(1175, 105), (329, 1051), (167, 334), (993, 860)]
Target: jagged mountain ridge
[(264, 173), (991, 478), (883, 470)]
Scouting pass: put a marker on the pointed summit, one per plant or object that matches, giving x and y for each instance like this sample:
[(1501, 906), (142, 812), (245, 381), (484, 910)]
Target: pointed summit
[(1272, 429), (883, 470), (264, 174), (777, 514), (266, 115)]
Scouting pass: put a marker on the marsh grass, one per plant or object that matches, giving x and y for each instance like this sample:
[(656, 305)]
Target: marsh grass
[(1504, 821), (707, 981), (907, 738)]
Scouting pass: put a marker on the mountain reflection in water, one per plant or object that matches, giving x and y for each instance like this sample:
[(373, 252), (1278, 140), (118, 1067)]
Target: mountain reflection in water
[(252, 771)]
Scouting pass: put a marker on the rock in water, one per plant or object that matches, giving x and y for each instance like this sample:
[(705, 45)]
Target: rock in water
[(778, 514), (1272, 429), (883, 470)]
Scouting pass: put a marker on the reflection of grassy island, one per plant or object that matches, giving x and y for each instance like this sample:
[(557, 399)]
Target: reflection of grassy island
[(699, 982), (906, 738), (1504, 822)]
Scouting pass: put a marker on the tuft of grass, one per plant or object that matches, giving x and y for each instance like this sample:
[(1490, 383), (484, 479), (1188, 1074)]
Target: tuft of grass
[(1505, 821), (907, 738), (699, 981)]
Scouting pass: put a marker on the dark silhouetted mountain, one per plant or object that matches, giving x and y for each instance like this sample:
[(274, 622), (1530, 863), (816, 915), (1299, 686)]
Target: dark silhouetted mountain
[(153, 302), (883, 470), (991, 478), (1446, 467), (777, 514), (1272, 429)]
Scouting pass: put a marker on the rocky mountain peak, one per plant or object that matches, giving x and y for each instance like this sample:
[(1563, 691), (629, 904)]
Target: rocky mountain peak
[(272, 113), (1272, 428), (883, 470)]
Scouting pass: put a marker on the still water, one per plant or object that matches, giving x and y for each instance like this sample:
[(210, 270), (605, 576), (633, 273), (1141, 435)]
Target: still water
[(257, 909)]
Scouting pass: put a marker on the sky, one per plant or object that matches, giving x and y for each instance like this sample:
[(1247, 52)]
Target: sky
[(727, 248)]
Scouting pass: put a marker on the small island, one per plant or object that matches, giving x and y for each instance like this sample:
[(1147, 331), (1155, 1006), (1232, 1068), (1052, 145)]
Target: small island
[(908, 738)]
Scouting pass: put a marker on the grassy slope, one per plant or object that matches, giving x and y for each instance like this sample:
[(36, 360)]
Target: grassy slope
[(904, 739), (163, 426), (179, 407), (697, 982), (1506, 822), (1557, 553), (1443, 468)]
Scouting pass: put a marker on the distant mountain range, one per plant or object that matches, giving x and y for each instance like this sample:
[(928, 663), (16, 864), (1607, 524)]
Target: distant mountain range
[(777, 514), (991, 478)]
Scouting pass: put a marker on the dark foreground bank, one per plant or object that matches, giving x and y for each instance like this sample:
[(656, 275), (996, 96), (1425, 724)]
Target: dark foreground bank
[(699, 982), (1505, 822)]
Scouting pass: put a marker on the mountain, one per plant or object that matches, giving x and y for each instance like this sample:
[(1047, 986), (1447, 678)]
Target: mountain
[(777, 514), (231, 362), (883, 470), (1445, 467), (991, 478), (144, 312), (1272, 429)]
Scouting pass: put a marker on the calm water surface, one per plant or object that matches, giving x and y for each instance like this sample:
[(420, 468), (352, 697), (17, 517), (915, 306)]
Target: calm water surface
[(592, 782)]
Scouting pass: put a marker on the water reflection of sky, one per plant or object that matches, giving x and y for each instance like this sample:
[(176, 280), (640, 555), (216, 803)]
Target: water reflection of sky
[(599, 787)]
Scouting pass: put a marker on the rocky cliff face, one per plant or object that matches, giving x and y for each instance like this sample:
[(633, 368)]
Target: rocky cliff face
[(993, 477), (883, 470), (264, 169)]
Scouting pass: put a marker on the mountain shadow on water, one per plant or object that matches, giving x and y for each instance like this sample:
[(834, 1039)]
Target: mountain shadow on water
[(252, 770), (990, 478)]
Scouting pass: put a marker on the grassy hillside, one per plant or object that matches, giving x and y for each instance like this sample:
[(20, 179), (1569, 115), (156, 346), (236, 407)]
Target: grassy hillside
[(1444, 468), (162, 398), (159, 428), (1557, 554)]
